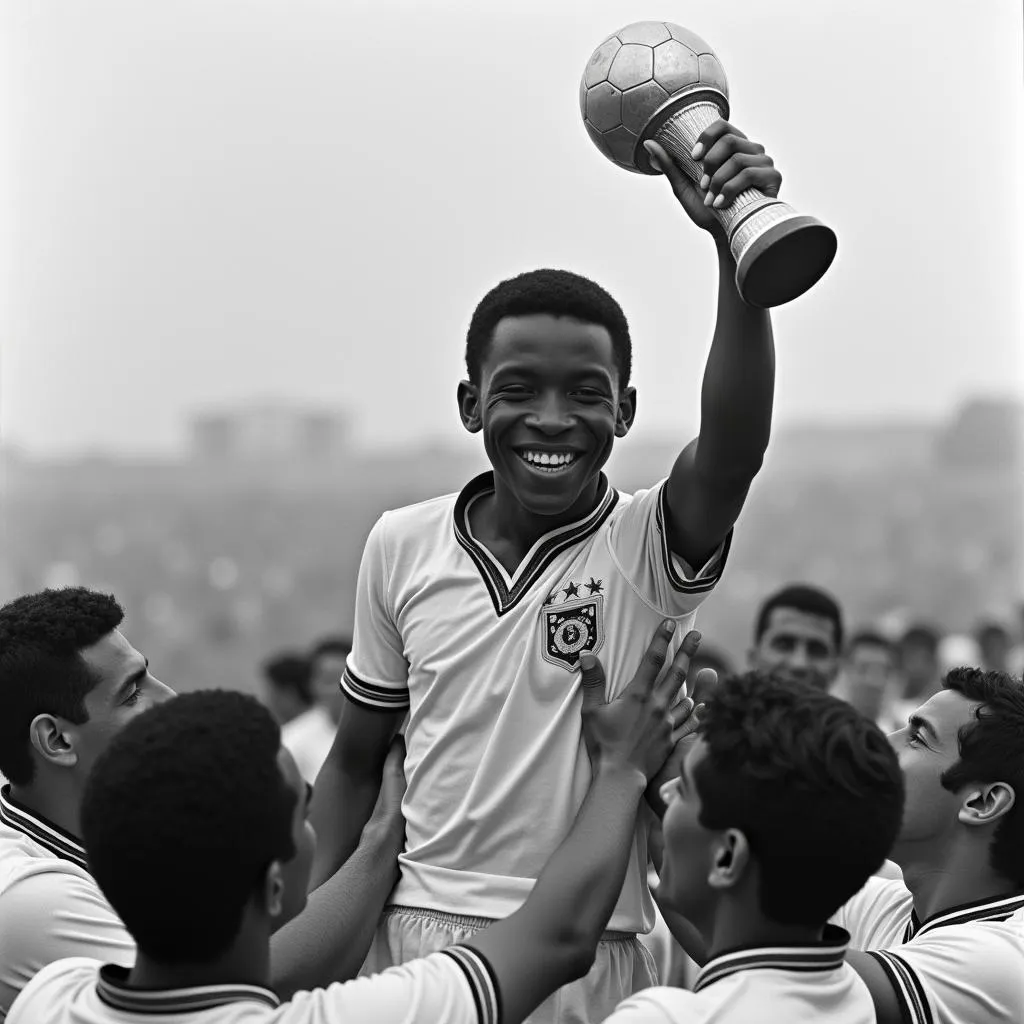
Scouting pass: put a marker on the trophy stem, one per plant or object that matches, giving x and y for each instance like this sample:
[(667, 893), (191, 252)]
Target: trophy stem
[(779, 253)]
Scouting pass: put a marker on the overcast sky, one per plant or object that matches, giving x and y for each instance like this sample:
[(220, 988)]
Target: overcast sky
[(213, 201)]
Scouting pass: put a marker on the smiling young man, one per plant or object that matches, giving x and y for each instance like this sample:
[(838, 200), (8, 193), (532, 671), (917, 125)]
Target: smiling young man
[(473, 610), (224, 829), (788, 800), (69, 683), (946, 945)]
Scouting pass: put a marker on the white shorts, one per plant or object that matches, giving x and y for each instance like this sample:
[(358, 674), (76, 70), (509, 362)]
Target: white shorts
[(622, 965)]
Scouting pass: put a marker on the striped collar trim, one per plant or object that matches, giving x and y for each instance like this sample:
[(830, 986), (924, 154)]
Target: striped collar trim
[(999, 908), (507, 591), (827, 955), (112, 989), (41, 830)]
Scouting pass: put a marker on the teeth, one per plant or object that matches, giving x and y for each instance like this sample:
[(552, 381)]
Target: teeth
[(550, 460)]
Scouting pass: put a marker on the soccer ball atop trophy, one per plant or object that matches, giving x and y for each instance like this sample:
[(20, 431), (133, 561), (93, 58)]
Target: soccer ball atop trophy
[(655, 80)]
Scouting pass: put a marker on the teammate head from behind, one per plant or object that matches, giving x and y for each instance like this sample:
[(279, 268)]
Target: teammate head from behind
[(201, 795), (69, 681), (788, 801), (548, 358), (327, 661), (286, 689), (798, 635), (962, 755)]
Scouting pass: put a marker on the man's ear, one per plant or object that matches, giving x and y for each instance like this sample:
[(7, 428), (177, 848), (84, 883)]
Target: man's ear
[(625, 413), (730, 859), (52, 742), (469, 406), (987, 804), (272, 890)]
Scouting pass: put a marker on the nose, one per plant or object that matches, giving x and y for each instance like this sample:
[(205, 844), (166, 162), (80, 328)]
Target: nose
[(549, 415), (161, 691), (798, 658)]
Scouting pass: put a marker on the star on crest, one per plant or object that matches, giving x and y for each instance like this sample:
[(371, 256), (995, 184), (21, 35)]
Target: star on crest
[(552, 597), (594, 586), (572, 590)]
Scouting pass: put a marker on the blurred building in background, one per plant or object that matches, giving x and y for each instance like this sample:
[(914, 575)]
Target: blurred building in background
[(269, 431)]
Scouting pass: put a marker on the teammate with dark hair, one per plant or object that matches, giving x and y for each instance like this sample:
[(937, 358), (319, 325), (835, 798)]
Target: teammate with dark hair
[(473, 610), (948, 940), (69, 683), (787, 802), (205, 849), (799, 635), (286, 686)]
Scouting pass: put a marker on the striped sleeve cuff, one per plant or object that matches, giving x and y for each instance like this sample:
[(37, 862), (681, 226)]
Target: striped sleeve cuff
[(483, 983), (910, 993), (374, 696), (704, 581)]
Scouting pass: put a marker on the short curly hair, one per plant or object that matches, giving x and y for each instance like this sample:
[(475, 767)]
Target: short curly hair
[(182, 815), (556, 293), (41, 668), (992, 750), (814, 786)]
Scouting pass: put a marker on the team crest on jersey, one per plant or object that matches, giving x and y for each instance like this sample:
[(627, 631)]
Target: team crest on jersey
[(571, 629)]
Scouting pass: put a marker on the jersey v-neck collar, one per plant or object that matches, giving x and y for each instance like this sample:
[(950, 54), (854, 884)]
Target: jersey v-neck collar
[(507, 591), (999, 908), (827, 955), (40, 830), (112, 988)]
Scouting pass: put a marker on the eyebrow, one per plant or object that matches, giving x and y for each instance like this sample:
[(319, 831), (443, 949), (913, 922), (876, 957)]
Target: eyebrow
[(136, 677), (917, 722)]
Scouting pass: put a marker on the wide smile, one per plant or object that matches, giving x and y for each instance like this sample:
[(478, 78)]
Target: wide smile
[(550, 462)]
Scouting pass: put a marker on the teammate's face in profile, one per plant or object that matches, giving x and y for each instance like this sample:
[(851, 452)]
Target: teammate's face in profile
[(798, 646), (927, 746), (688, 847), (549, 406), (125, 689), (296, 870)]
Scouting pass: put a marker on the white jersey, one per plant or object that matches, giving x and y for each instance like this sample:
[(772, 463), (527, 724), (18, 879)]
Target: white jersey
[(777, 985), (455, 986), (50, 906), (964, 965), (487, 664)]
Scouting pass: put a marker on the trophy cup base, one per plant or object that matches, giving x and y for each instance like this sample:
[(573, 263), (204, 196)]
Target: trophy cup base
[(784, 261)]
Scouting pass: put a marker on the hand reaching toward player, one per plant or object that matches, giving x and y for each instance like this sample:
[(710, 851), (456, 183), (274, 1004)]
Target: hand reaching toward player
[(387, 812), (641, 727), (731, 163)]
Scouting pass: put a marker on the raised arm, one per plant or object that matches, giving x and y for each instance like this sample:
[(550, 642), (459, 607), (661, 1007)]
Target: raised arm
[(329, 940), (710, 479), (552, 939)]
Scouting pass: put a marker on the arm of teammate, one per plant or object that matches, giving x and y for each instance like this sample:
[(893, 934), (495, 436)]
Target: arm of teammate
[(552, 938), (710, 479), (329, 940), (883, 994)]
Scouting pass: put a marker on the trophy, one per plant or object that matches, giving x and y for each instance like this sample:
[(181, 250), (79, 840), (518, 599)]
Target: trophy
[(655, 80)]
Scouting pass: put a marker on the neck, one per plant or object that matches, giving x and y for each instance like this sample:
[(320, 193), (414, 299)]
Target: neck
[(247, 962), (736, 926), (963, 875), (501, 515), (55, 800)]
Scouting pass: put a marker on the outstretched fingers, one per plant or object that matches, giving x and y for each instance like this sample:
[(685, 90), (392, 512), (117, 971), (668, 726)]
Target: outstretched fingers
[(643, 683)]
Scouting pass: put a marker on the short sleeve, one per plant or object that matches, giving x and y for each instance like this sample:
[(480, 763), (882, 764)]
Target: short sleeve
[(638, 541), (959, 974), (377, 673), (456, 986), (50, 916), (878, 915)]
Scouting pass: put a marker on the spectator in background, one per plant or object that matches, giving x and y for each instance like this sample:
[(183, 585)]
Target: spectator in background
[(286, 689), (918, 658), (867, 676), (799, 636), (309, 737), (994, 644)]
